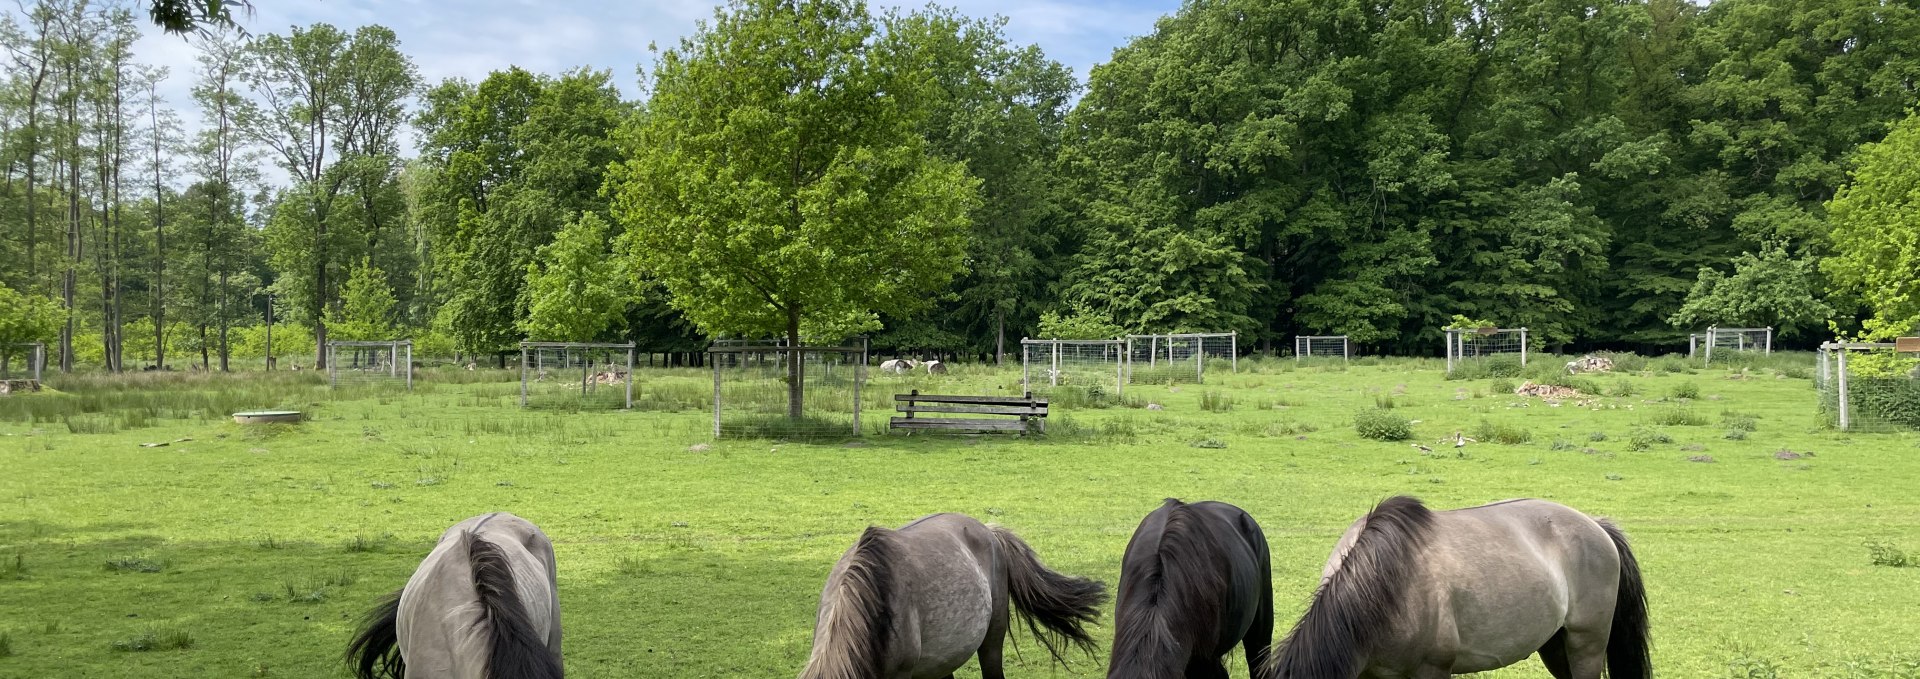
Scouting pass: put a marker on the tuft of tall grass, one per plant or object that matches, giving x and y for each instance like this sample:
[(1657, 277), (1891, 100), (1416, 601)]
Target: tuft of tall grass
[(155, 639), (1645, 438), (1381, 424), (1216, 402), (1686, 390), (1886, 554), (137, 564), (1501, 433), (1678, 416)]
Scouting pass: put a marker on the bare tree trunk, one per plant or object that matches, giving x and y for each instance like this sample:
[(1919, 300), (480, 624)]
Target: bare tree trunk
[(159, 292), (999, 336), (224, 321), (70, 281)]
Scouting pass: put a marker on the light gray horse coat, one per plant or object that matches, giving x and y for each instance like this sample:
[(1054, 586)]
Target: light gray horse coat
[(484, 604), (1414, 594), (917, 602)]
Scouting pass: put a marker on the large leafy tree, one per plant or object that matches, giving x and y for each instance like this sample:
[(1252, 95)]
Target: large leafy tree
[(25, 319), (366, 310), (779, 183), (574, 290), (1876, 233), (1771, 289)]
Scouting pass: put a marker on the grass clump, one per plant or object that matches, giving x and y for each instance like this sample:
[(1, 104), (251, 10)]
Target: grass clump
[(14, 568), (1885, 554), (1678, 416), (137, 564), (1739, 421), (1597, 436), (1381, 424), (1736, 435), (1623, 388), (1215, 402), (1501, 433), (367, 543), (6, 644), (155, 640), (1646, 438), (1686, 390), (1501, 386)]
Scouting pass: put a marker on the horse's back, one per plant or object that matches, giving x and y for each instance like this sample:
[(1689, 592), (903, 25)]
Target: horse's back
[(1512, 573), (947, 587)]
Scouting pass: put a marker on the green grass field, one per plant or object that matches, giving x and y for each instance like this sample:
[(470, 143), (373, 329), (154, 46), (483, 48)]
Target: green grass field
[(251, 551)]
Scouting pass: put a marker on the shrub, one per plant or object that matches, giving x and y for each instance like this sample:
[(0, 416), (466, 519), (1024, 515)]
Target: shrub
[(1501, 386), (1381, 424), (1885, 554), (1686, 390), (1645, 439), (1503, 365), (1739, 421), (1624, 388), (1502, 433), (1678, 416)]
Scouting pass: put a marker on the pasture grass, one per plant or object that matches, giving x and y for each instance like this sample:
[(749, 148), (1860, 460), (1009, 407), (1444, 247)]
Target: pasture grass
[(684, 556)]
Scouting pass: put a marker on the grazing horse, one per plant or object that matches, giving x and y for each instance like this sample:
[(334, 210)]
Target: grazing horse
[(1195, 581), (1416, 594), (915, 603), (483, 605)]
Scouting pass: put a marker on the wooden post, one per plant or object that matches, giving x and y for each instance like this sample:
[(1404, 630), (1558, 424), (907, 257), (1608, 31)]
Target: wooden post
[(523, 375), (859, 370), (716, 398), (1523, 347), (1053, 379), (630, 348)]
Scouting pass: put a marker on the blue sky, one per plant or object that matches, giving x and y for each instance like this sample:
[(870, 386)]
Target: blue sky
[(470, 39)]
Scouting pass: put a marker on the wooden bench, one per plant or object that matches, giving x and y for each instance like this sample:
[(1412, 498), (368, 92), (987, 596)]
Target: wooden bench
[(1017, 414)]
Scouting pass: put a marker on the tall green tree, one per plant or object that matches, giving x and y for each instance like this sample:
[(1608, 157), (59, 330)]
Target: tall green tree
[(779, 183), (576, 289), (366, 309), (1771, 289), (25, 318), (1876, 233)]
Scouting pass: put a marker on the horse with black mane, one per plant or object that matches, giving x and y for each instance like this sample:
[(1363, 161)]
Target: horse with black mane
[(915, 603), (484, 604), (1411, 593), (1195, 581)]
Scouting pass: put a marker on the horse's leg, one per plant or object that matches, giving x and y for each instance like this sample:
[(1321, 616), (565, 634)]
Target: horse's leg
[(1554, 656), (1587, 653), (991, 660), (1207, 668)]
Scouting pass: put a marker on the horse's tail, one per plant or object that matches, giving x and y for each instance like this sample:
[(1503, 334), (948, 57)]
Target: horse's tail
[(1628, 651), (516, 647), (375, 650), (1055, 607)]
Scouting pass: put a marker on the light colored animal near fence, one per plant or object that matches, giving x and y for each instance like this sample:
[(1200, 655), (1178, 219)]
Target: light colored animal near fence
[(1726, 341), (35, 360), (1474, 344), (753, 394), (1870, 386), (1081, 364), (1322, 347), (582, 375), (374, 363), (1179, 357)]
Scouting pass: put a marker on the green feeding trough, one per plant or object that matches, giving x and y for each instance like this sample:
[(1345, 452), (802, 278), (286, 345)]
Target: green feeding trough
[(267, 417)]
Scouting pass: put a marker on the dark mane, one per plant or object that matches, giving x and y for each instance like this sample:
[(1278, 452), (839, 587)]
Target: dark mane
[(857, 632), (1354, 608), (515, 649), (1175, 588)]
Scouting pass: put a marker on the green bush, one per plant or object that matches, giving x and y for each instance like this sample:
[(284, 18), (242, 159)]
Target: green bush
[(1645, 439), (1502, 433), (1624, 388), (1885, 554), (1503, 365), (1739, 421), (1626, 362), (1686, 390), (1381, 424), (1501, 386)]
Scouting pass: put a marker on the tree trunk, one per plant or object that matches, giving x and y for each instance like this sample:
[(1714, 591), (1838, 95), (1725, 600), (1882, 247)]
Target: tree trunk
[(159, 291), (999, 337), (796, 368), (223, 323)]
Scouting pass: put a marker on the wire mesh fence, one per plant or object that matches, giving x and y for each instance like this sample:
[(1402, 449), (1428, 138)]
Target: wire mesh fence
[(384, 363), (23, 361), (576, 375), (1095, 367), (1870, 387), (1322, 347), (1730, 342), (787, 392), (1165, 359), (1497, 352)]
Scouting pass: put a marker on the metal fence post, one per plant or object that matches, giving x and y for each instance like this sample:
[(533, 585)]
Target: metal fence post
[(1120, 377), (523, 374), (1053, 378), (630, 348), (858, 371), (1845, 418), (409, 365), (1235, 348), (1523, 347), (715, 358), (1769, 340)]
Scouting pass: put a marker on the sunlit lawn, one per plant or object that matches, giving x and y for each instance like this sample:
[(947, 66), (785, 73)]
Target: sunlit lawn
[(267, 542)]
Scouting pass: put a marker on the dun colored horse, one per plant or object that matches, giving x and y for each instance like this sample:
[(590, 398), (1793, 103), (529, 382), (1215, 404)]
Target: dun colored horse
[(1195, 581), (1415, 594), (915, 603), (483, 605)]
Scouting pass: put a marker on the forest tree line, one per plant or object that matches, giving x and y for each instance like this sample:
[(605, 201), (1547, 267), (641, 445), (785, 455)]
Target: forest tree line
[(1604, 173)]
